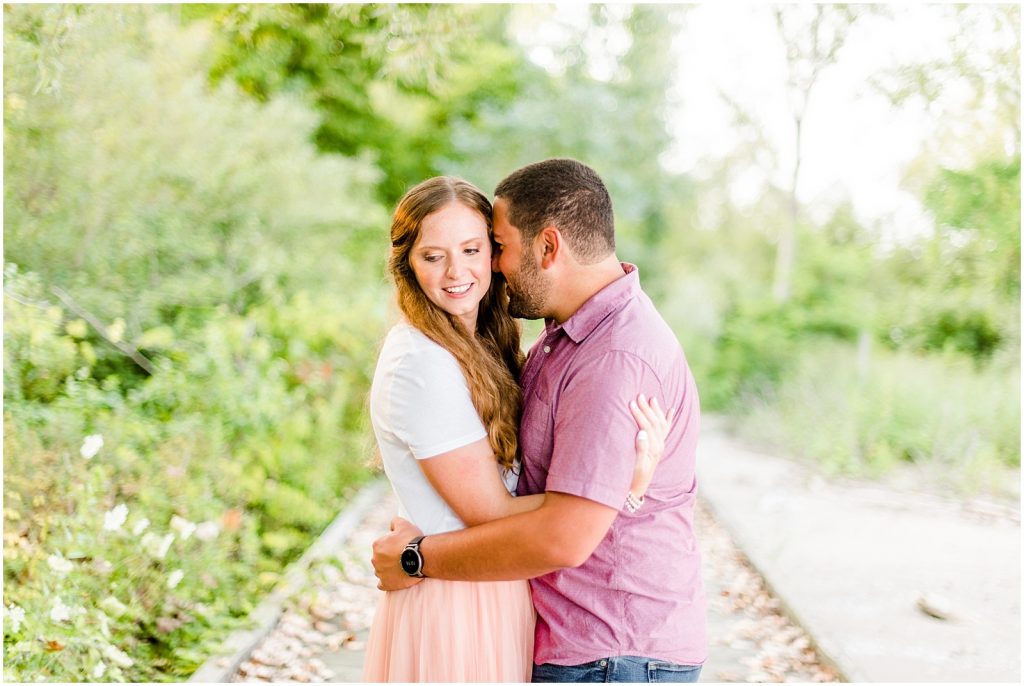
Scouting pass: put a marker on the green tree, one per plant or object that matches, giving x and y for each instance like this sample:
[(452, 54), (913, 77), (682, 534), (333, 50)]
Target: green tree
[(388, 81), (146, 194), (964, 280)]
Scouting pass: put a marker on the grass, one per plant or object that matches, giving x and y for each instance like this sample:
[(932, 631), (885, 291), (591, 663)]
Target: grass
[(956, 423)]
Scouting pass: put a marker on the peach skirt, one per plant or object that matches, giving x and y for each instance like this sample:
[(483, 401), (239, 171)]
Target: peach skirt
[(445, 631)]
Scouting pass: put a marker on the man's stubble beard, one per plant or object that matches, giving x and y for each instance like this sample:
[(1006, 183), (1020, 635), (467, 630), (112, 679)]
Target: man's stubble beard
[(527, 292)]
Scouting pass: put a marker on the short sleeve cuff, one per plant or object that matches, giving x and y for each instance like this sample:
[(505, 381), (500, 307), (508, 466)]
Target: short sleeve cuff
[(435, 449), (599, 493)]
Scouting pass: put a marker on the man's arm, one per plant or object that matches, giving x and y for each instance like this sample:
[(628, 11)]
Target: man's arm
[(562, 532)]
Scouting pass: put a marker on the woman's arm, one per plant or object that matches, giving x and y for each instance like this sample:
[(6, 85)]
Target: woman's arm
[(468, 479)]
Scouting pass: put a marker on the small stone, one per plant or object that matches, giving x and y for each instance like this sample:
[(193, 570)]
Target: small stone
[(321, 611), (934, 606), (263, 672), (336, 640)]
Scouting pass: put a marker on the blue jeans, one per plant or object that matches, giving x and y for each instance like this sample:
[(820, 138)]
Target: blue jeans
[(621, 669)]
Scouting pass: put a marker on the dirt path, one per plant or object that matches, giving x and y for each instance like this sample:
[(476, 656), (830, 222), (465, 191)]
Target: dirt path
[(322, 633)]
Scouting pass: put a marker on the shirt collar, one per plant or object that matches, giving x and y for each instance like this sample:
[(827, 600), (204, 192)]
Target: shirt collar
[(594, 311)]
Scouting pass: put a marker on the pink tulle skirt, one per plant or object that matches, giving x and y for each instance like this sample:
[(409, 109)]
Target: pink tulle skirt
[(444, 631)]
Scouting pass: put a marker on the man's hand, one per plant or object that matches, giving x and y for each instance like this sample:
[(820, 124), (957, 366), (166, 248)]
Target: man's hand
[(387, 554)]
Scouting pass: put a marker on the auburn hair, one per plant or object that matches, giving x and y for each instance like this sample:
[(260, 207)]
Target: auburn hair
[(490, 357)]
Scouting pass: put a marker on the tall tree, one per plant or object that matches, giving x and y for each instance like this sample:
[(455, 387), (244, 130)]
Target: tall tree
[(389, 81), (812, 35)]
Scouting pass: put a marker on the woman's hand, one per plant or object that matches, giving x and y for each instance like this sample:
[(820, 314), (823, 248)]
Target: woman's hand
[(650, 442)]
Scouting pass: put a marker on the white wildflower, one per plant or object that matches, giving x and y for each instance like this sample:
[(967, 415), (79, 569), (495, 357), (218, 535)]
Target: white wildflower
[(182, 526), (140, 526), (59, 564), (175, 578), (17, 616), (157, 546), (91, 445), (99, 670), (113, 520), (60, 612), (117, 656), (207, 531), (113, 606), (104, 621)]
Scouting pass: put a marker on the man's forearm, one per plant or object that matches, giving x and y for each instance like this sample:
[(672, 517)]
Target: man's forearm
[(563, 532), (500, 550)]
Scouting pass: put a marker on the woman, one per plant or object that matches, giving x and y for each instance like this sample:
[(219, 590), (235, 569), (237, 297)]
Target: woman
[(445, 410)]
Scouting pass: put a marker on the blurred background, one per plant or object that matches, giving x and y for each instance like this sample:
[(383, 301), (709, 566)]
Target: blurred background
[(824, 201)]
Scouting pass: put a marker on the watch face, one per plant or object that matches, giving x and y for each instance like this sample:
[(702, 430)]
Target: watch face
[(411, 562)]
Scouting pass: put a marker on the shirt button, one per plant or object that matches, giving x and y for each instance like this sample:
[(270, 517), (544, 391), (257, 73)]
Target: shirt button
[(547, 348)]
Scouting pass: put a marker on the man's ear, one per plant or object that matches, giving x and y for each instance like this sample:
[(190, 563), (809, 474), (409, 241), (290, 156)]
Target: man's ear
[(549, 241)]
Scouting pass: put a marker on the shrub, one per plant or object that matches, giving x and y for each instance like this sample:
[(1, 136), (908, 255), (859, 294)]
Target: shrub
[(255, 435), (956, 421)]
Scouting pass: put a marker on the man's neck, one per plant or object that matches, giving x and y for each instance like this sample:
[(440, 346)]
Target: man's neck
[(581, 283)]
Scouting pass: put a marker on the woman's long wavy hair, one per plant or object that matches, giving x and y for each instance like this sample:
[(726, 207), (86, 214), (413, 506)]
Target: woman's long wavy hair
[(490, 360)]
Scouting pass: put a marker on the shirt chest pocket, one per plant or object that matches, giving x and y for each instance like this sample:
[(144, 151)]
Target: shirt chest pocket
[(536, 433)]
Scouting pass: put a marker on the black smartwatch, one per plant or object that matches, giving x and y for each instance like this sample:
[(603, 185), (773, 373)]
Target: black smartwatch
[(412, 560)]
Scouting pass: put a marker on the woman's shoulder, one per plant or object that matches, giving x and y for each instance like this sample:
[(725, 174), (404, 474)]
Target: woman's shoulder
[(408, 345)]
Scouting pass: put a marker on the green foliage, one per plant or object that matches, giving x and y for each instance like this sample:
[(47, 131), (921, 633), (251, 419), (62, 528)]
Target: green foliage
[(145, 514), (257, 425), (756, 346), (143, 192), (37, 359), (962, 285), (868, 414), (387, 80)]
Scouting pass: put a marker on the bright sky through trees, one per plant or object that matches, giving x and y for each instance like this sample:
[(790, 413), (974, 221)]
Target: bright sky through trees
[(856, 144)]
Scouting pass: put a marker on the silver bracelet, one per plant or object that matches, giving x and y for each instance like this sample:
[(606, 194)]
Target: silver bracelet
[(633, 503)]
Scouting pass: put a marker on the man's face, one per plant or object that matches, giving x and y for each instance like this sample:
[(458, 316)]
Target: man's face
[(528, 287)]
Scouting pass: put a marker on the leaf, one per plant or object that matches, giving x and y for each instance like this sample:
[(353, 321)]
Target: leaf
[(166, 625), (156, 338), (76, 328)]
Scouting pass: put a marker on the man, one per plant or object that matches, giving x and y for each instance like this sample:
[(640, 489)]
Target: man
[(618, 594)]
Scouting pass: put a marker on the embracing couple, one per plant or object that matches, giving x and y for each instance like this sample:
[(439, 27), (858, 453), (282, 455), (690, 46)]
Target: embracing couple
[(510, 469)]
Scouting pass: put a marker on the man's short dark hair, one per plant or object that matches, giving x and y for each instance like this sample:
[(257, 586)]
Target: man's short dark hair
[(567, 194)]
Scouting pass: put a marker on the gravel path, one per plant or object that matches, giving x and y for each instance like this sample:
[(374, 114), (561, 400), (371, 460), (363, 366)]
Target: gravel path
[(322, 632)]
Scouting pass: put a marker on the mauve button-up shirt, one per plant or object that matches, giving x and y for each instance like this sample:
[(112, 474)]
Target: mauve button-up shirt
[(640, 592)]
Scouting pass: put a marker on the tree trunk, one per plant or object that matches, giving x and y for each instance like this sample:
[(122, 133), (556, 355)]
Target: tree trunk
[(785, 254)]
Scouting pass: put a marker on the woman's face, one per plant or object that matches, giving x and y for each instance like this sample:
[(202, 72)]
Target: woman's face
[(452, 261)]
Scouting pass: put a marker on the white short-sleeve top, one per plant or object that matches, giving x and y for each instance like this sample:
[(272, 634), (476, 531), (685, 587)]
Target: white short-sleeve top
[(420, 407)]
